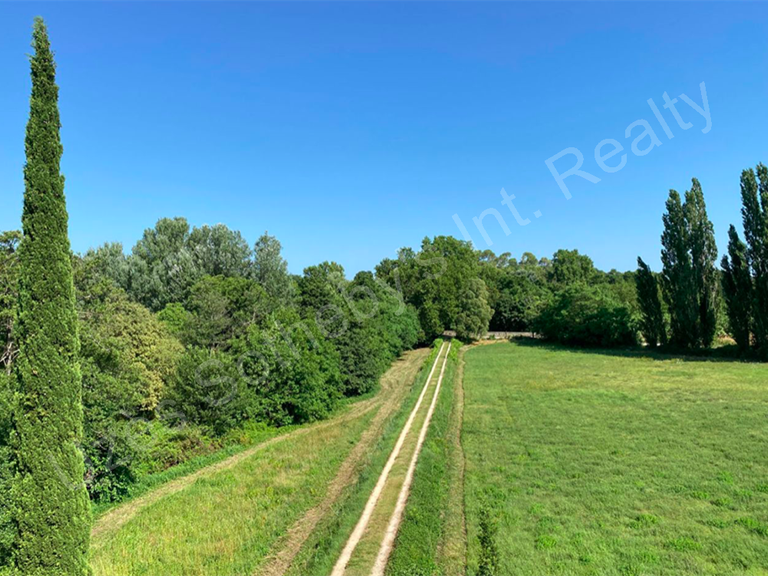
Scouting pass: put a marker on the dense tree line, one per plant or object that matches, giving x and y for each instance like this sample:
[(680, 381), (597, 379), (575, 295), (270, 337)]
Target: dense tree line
[(564, 298)]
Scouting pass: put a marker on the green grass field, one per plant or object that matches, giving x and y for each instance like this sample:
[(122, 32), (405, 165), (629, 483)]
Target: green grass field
[(603, 464)]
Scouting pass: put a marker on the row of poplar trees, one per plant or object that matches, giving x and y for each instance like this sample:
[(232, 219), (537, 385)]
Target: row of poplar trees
[(745, 268), (690, 283), (689, 279), (49, 507)]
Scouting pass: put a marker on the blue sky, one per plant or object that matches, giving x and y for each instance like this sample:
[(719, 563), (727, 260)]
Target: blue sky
[(350, 130)]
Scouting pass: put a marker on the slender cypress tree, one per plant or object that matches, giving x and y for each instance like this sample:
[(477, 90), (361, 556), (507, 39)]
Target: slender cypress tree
[(51, 504), (653, 328), (701, 240), (737, 287)]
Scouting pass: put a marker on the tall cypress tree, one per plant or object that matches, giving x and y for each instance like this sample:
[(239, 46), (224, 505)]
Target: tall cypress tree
[(737, 287), (51, 504), (703, 249), (653, 328)]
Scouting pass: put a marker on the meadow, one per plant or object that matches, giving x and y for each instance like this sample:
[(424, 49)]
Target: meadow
[(611, 463)]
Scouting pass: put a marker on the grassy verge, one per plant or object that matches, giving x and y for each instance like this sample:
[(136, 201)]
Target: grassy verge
[(591, 463), (323, 548), (239, 442), (418, 548), (235, 442), (227, 523)]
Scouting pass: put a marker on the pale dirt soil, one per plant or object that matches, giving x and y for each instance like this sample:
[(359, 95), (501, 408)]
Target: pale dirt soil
[(388, 543), (367, 549)]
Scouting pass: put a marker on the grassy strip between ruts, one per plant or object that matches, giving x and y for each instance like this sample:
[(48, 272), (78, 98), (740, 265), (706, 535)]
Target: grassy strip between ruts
[(602, 463), (419, 546), (323, 548)]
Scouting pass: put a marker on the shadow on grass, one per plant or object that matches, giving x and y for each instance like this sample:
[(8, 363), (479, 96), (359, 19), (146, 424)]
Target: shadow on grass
[(728, 353)]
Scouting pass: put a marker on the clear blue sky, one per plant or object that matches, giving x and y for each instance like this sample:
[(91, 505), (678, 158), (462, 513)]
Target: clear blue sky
[(350, 130)]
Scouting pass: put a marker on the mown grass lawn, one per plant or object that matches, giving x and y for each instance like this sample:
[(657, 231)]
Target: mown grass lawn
[(600, 463)]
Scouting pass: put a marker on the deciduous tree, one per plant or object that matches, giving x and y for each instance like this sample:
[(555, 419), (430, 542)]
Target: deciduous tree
[(679, 287), (9, 243), (474, 312), (271, 270), (703, 249)]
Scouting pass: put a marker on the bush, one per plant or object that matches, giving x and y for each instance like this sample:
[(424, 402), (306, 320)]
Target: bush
[(291, 371), (587, 316), (207, 391), (120, 453), (167, 447)]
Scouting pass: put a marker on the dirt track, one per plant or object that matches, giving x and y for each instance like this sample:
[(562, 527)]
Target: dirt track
[(394, 387), (368, 547)]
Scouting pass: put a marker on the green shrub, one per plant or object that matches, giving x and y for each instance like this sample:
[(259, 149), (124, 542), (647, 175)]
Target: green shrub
[(112, 451), (167, 447), (587, 316), (207, 391)]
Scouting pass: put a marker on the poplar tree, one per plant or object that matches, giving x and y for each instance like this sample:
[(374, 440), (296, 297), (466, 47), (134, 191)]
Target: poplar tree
[(689, 277), (652, 325), (737, 288), (52, 511), (703, 249), (754, 211), (677, 274)]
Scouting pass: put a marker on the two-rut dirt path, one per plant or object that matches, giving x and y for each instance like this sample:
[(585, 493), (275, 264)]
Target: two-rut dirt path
[(368, 548), (395, 385)]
